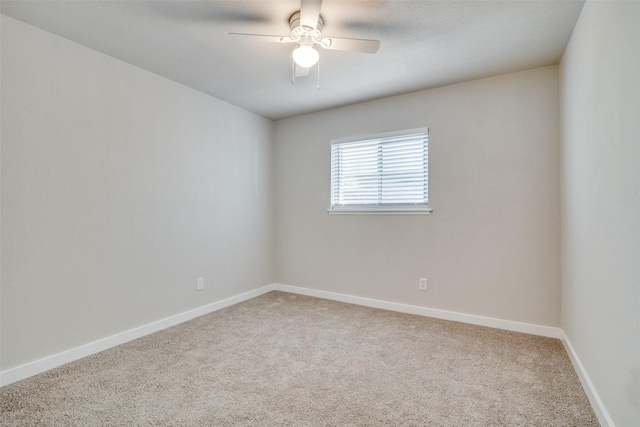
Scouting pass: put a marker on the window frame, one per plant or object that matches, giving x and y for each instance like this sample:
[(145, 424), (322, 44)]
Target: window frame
[(404, 209)]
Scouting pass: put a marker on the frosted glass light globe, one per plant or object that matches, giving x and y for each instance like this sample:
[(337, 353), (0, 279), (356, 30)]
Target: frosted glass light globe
[(305, 56)]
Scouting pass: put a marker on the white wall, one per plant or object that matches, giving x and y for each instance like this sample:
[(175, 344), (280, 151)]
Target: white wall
[(119, 189), (600, 98), (492, 245)]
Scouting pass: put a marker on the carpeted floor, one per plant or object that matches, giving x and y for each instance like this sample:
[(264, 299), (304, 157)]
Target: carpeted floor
[(285, 359)]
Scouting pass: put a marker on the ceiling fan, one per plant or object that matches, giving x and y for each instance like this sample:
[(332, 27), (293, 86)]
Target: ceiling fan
[(306, 31)]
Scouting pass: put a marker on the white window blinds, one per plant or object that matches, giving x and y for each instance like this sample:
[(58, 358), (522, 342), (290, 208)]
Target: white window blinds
[(384, 173)]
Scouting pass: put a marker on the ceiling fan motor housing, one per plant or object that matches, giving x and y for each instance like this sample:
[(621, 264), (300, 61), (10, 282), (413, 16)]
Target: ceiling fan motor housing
[(305, 35)]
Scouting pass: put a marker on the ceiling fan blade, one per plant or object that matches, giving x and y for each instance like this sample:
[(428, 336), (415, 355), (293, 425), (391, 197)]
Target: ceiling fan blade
[(301, 72), (258, 37), (310, 12), (354, 45)]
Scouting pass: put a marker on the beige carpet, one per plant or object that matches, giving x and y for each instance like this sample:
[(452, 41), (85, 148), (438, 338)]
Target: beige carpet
[(284, 359)]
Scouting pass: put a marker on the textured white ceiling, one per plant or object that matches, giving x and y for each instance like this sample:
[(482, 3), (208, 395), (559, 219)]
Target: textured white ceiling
[(424, 44)]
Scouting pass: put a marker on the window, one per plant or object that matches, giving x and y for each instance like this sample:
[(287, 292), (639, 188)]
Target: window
[(383, 173)]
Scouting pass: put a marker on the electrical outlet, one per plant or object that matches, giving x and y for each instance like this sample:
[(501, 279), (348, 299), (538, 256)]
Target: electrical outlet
[(199, 283), (422, 284)]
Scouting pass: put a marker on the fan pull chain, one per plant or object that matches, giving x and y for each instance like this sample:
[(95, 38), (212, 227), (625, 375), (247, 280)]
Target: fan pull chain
[(293, 72), (318, 86)]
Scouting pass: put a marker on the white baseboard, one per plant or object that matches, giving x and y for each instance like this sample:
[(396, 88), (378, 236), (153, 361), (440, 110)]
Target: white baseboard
[(598, 407), (32, 368), (528, 328)]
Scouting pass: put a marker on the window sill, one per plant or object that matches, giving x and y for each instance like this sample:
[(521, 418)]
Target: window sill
[(382, 211)]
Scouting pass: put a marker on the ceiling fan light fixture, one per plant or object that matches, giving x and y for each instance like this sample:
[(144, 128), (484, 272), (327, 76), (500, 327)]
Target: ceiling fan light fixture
[(306, 32), (305, 56)]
